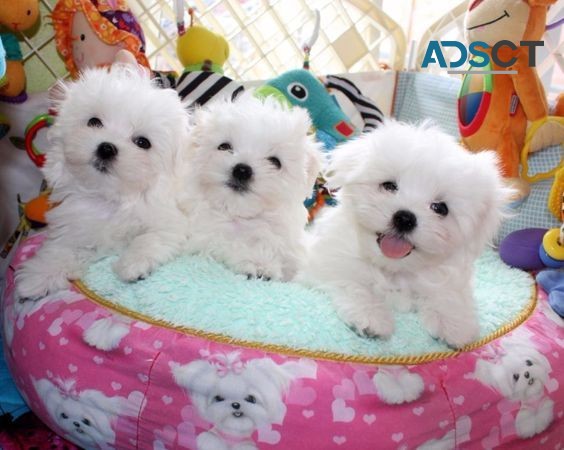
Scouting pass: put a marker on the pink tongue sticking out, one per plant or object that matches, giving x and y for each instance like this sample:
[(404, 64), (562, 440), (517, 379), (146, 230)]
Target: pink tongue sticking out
[(395, 247)]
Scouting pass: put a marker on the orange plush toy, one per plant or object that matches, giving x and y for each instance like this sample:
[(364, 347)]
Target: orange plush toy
[(15, 16), (507, 112)]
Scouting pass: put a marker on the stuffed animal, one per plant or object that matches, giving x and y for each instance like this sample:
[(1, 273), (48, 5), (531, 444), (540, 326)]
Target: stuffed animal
[(201, 49), (202, 54), (552, 281), (331, 125), (90, 33), (15, 16), (300, 88), (504, 111)]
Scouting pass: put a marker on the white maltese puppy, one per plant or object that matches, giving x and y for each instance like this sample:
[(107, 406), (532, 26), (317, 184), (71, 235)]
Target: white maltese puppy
[(521, 375), (115, 147), (415, 212), (236, 397), (251, 165), (85, 417)]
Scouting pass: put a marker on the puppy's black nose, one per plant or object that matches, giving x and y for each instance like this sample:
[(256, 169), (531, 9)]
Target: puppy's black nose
[(242, 172), (404, 221), (76, 424), (106, 151), (236, 405)]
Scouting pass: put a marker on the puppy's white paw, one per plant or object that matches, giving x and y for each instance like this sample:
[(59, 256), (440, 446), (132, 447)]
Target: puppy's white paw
[(525, 423), (456, 332), (545, 415), (106, 334), (32, 285), (370, 324), (398, 386), (133, 267), (431, 322), (262, 271)]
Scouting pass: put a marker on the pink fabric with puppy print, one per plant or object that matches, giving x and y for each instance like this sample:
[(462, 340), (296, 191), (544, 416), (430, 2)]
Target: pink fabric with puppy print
[(161, 389)]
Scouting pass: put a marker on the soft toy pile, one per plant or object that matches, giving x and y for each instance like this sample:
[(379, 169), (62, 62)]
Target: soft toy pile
[(507, 112)]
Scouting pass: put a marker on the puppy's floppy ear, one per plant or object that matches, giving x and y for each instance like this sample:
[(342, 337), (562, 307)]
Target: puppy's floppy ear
[(196, 376), (495, 192), (98, 400), (313, 165), (276, 374), (300, 116), (496, 376), (273, 382), (57, 94), (346, 160), (49, 394)]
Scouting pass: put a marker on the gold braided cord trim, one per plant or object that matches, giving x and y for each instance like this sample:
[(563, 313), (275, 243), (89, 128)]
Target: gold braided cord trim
[(316, 354)]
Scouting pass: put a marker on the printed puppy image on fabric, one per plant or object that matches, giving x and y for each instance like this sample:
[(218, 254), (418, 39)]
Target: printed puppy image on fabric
[(521, 374), (236, 397), (416, 210), (250, 165), (85, 417)]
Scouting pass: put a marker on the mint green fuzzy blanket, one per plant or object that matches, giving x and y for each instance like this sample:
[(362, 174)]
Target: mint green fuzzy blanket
[(202, 294)]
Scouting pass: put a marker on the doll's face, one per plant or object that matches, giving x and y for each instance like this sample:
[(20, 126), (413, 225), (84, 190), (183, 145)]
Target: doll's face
[(493, 20), (88, 50), (19, 15)]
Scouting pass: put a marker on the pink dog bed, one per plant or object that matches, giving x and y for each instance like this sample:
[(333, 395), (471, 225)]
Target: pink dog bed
[(104, 376)]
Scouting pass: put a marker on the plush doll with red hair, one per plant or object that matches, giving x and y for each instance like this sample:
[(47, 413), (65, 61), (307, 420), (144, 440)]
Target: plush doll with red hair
[(90, 33)]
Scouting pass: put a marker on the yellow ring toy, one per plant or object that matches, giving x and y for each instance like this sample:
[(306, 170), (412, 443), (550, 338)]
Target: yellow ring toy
[(551, 245)]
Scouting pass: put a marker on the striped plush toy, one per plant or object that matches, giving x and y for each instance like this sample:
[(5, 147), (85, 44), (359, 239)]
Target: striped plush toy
[(202, 54)]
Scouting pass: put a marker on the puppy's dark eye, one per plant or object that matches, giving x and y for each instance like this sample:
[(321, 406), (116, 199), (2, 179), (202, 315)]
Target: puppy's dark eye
[(529, 362), (440, 208), (142, 142), (250, 399), (86, 422), (218, 398), (94, 122), (64, 416), (82, 37), (516, 376), (389, 186), (275, 162), (225, 147)]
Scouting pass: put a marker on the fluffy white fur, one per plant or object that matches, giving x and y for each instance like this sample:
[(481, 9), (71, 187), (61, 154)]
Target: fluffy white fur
[(396, 385), (106, 333), (255, 227), (125, 204), (521, 375), (86, 417), (236, 400), (346, 257)]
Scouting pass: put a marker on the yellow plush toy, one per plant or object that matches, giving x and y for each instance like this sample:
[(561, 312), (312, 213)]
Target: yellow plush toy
[(15, 16), (507, 112), (203, 54), (201, 49)]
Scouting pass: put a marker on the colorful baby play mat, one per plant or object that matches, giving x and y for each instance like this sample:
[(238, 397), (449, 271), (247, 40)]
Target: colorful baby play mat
[(196, 357)]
